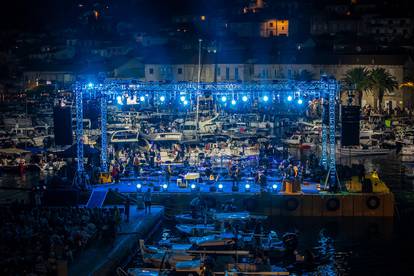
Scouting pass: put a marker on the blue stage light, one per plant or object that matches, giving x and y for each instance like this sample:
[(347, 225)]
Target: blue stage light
[(142, 98), (247, 187), (90, 85), (165, 186), (289, 98), (265, 98), (274, 187), (220, 187), (139, 187), (185, 102), (193, 186), (162, 98), (119, 100), (224, 99), (182, 98), (244, 98), (233, 102), (300, 101)]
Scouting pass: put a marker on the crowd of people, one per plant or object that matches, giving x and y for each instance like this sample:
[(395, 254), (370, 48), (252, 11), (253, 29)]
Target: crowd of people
[(34, 241)]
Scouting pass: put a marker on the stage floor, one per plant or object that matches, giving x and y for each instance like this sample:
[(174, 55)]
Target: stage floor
[(245, 186)]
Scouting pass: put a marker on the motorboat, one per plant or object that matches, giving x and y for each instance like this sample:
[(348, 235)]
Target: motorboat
[(125, 136), (407, 150), (294, 140), (195, 229), (362, 151), (157, 256), (237, 216), (217, 240)]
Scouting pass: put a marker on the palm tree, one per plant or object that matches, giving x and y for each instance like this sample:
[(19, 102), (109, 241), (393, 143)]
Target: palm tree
[(358, 79), (381, 81)]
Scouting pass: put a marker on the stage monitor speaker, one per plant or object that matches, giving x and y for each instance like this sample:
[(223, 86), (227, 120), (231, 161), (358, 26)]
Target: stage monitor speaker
[(62, 121), (350, 125)]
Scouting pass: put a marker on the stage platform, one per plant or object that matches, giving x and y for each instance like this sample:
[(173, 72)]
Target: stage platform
[(310, 201)]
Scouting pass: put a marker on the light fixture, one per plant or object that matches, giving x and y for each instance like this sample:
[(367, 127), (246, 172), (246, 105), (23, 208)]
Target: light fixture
[(265, 98), (165, 186), (142, 98), (90, 85), (220, 187), (182, 98), (119, 100), (247, 187), (244, 98), (289, 98), (185, 102), (192, 186), (233, 102), (139, 187), (300, 101), (162, 98), (224, 99), (274, 187)]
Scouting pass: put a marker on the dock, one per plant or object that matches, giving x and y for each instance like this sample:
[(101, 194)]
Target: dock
[(103, 259)]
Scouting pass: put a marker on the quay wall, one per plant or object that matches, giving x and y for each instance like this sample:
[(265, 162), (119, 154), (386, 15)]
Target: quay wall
[(297, 205)]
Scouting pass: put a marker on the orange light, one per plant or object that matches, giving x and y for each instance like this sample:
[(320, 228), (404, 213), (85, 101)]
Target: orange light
[(96, 14), (203, 18)]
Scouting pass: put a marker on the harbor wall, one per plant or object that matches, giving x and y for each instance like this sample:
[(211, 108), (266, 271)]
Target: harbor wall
[(306, 205)]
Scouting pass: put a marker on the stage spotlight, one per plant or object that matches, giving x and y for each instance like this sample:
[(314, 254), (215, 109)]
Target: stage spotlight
[(224, 99), (220, 187), (185, 102), (139, 187), (142, 98), (265, 98), (164, 186), (119, 100), (162, 98), (247, 187), (182, 98), (244, 98), (90, 85), (289, 98), (193, 186), (300, 101), (274, 187), (233, 102)]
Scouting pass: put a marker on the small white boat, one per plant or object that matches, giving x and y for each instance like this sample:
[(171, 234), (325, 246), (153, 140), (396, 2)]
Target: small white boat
[(156, 256), (294, 140), (125, 136), (237, 216), (195, 229), (360, 151), (407, 150), (214, 240)]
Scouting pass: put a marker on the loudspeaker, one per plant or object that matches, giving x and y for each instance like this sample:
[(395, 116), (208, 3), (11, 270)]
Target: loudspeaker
[(350, 125), (62, 121)]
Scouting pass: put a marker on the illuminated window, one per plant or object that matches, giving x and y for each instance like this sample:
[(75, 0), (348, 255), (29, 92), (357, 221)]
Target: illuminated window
[(271, 24)]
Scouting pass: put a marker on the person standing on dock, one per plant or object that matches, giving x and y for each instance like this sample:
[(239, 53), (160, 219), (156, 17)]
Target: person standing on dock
[(147, 201)]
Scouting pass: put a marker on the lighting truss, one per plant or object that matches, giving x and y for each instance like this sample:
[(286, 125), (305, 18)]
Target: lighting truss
[(324, 88)]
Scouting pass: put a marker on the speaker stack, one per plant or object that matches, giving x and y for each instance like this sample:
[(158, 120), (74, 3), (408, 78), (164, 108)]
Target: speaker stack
[(350, 125), (62, 121)]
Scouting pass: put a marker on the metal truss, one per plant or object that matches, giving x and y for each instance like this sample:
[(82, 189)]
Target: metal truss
[(109, 89)]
